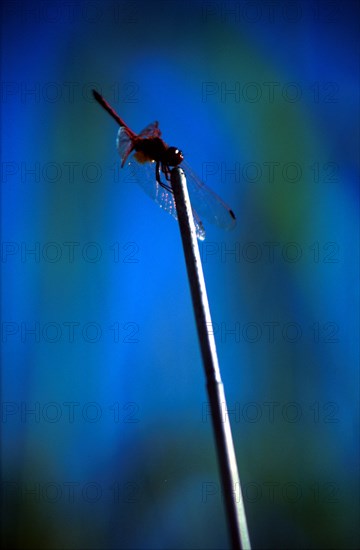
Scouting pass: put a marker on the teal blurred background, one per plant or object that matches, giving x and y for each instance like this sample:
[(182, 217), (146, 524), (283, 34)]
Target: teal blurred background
[(106, 437)]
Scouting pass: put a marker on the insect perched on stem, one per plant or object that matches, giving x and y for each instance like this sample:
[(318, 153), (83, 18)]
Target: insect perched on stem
[(144, 150)]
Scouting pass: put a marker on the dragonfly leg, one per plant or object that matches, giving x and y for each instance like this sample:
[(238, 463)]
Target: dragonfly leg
[(166, 171), (158, 178)]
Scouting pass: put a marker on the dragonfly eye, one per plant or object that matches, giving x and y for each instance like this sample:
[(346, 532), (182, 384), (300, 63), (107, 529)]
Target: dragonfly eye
[(174, 156)]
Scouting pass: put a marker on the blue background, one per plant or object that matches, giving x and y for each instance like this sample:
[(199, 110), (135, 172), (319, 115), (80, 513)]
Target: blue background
[(118, 451)]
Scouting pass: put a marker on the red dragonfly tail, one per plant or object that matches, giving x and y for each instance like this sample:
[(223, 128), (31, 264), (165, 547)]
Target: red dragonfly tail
[(99, 98)]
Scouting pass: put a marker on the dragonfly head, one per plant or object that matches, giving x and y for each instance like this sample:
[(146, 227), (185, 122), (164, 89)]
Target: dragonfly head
[(174, 156)]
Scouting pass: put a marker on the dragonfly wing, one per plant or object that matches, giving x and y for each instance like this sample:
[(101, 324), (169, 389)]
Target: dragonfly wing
[(207, 203), (144, 175), (123, 144), (200, 231), (151, 130)]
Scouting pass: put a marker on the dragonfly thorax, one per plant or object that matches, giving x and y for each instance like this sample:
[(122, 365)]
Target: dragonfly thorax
[(155, 149), (150, 149)]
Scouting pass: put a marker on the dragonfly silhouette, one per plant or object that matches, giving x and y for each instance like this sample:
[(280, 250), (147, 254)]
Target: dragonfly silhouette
[(147, 149)]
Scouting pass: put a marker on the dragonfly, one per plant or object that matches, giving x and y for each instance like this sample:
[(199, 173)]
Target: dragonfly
[(151, 161)]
